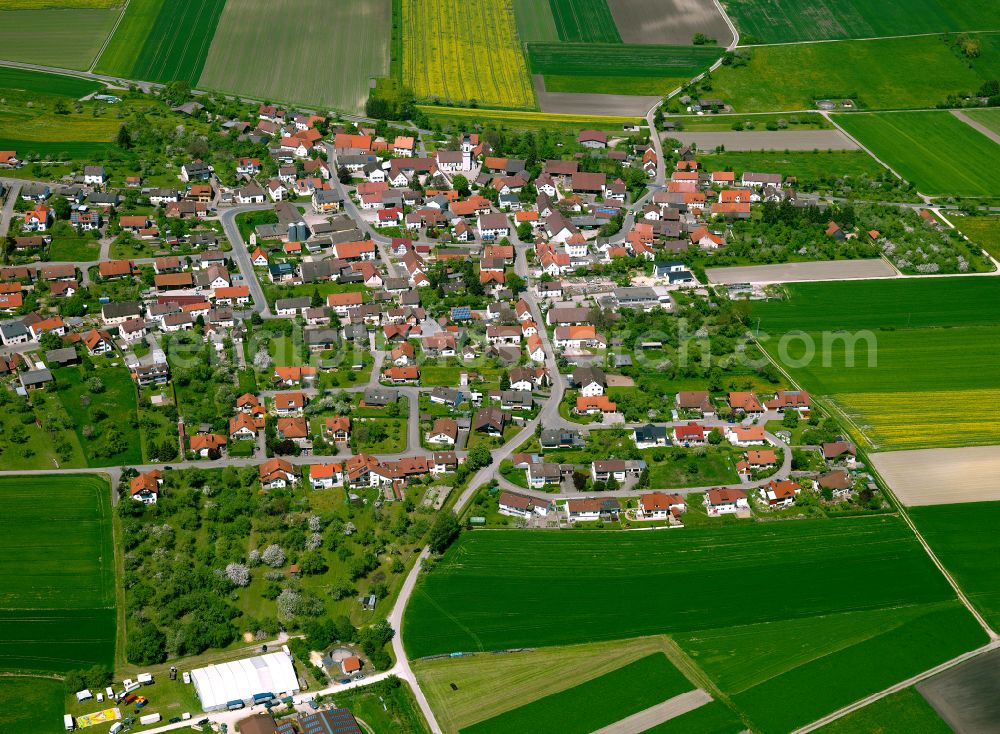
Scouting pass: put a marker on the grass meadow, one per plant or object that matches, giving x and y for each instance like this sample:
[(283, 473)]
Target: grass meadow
[(584, 21), (778, 21), (927, 334), (903, 711), (66, 37), (965, 540), (938, 152), (465, 51), (353, 39), (804, 165), (527, 676), (119, 395), (875, 73), (56, 574), (596, 703), (38, 82), (31, 705), (984, 231)]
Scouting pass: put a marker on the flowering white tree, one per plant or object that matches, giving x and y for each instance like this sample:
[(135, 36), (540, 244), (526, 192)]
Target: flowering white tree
[(238, 574), (253, 558), (262, 360), (273, 556), (314, 541)]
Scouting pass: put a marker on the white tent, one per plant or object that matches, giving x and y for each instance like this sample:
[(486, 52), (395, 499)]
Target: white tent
[(239, 680)]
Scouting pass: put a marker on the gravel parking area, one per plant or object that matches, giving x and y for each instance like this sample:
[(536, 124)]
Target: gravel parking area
[(803, 272), (749, 140), (941, 476)]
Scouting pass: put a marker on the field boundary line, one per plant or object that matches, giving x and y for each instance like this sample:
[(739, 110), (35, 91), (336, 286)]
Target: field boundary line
[(896, 688), (104, 46), (977, 126), (867, 38)]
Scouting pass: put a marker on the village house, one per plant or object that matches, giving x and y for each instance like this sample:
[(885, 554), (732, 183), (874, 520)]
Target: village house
[(725, 501)]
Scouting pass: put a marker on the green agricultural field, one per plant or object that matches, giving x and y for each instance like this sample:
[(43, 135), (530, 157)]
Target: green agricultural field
[(852, 592), (494, 603), (596, 703), (527, 676), (31, 704), (122, 52), (617, 59), (990, 118), (938, 152), (712, 718), (903, 711), (778, 674), (641, 85), (65, 37), (777, 21), (804, 165), (57, 577), (964, 539), (178, 41), (875, 73), (984, 231), (584, 21), (463, 51), (534, 21), (40, 83), (916, 362), (354, 37), (517, 120)]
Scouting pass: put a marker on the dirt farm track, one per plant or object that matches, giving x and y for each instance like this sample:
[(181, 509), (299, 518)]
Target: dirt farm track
[(941, 476)]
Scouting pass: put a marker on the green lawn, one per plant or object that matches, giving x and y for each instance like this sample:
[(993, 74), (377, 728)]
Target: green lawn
[(57, 604), (964, 539), (687, 468), (984, 231), (596, 703), (776, 21), (903, 711), (31, 705), (938, 152), (39, 82), (74, 249), (876, 74)]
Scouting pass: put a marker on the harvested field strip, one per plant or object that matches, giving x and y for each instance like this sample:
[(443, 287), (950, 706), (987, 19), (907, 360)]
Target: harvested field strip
[(626, 85), (584, 21), (178, 41), (527, 676), (122, 52), (465, 52), (605, 59), (936, 151), (65, 37), (942, 476), (712, 718), (597, 703)]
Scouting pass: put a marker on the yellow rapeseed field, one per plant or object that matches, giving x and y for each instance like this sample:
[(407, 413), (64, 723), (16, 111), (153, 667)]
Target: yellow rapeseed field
[(462, 51), (913, 420)]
